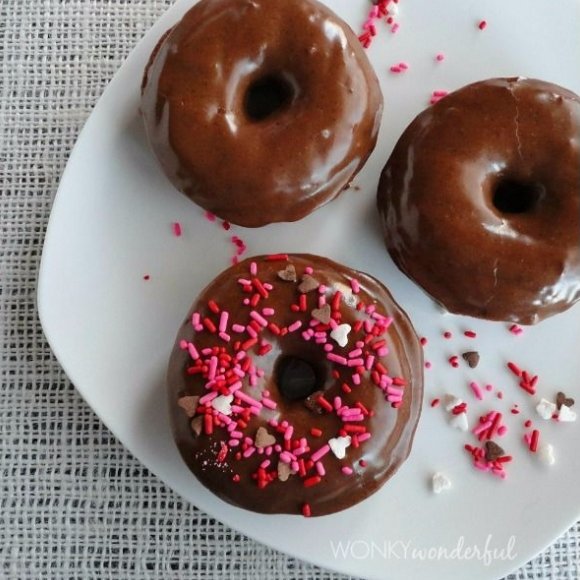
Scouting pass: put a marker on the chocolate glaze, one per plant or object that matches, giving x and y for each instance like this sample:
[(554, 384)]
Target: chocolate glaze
[(392, 429), (436, 198), (286, 165)]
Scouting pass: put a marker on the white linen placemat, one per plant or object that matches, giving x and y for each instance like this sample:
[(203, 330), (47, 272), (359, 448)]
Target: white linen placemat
[(73, 503)]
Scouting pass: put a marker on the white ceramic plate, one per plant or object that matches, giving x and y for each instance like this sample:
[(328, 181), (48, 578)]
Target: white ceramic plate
[(112, 331)]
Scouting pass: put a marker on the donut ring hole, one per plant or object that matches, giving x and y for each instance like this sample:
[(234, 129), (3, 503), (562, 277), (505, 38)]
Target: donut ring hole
[(297, 377), (512, 196), (267, 96)]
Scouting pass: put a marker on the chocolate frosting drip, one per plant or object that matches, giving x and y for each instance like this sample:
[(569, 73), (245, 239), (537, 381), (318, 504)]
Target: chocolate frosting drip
[(392, 429), (480, 200), (281, 166)]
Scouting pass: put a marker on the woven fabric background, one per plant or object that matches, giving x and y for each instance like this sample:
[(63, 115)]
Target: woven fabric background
[(73, 503)]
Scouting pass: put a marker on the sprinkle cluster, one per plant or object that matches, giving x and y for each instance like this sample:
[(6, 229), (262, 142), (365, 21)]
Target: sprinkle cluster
[(230, 370)]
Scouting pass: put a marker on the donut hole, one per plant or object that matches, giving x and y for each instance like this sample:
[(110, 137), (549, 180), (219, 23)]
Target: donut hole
[(267, 96), (515, 197), (297, 378)]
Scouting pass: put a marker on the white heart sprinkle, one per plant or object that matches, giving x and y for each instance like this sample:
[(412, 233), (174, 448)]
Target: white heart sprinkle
[(340, 334), (223, 404), (546, 454), (338, 446), (566, 415), (451, 401), (440, 483), (459, 422), (545, 409)]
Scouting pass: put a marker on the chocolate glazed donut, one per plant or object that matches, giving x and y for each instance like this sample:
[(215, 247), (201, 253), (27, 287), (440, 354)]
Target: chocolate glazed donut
[(261, 111), (305, 399), (480, 200)]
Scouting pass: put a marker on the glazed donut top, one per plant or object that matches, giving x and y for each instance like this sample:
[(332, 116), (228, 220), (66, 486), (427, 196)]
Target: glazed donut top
[(302, 385), (480, 200), (207, 101)]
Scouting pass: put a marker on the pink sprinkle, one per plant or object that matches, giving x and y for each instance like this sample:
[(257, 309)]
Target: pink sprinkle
[(286, 457), (308, 270), (294, 326), (176, 229), (288, 433), (265, 463), (210, 217), (268, 403), (320, 469), (249, 452), (346, 470), (356, 362), (225, 336), (247, 399), (251, 331), (394, 30), (337, 359), (476, 390), (356, 378), (384, 351), (259, 318), (195, 317), (224, 321), (403, 66), (268, 311), (328, 347), (233, 443), (364, 436), (355, 285), (192, 351), (516, 329), (317, 455), (213, 362), (208, 397), (427, 365), (502, 430), (238, 328), (440, 57), (482, 25), (253, 269)]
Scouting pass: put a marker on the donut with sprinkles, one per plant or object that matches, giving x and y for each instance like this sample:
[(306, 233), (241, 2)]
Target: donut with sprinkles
[(295, 385)]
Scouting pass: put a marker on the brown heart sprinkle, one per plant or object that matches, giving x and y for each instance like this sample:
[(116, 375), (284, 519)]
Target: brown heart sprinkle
[(472, 358), (263, 438), (284, 471), (288, 274), (308, 284), (322, 314), (493, 451), (562, 399), (188, 404), (197, 425)]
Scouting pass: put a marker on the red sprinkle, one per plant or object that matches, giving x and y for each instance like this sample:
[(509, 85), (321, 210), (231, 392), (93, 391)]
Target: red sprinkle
[(515, 369), (470, 334), (447, 335), (306, 511), (277, 258), (315, 432), (146, 277), (482, 25), (423, 341), (314, 480), (534, 441), (435, 402), (176, 229)]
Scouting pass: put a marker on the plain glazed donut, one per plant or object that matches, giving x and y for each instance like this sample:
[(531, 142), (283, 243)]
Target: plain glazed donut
[(261, 111), (295, 385), (480, 200)]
